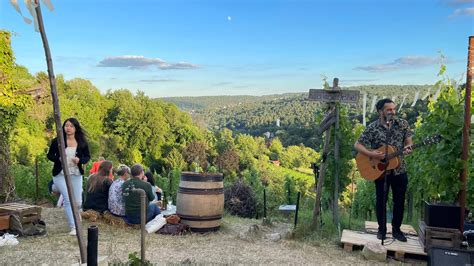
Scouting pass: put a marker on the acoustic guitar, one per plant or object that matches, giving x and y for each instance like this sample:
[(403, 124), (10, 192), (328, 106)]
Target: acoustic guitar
[(371, 169)]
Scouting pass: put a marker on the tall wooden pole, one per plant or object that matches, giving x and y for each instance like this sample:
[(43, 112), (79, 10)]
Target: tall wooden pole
[(333, 96), (319, 188), (335, 210), (465, 130), (142, 221), (59, 133), (36, 181)]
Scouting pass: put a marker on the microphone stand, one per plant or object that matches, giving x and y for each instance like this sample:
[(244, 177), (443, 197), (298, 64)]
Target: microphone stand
[(384, 175)]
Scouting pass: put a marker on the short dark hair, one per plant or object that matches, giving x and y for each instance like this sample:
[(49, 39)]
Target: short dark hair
[(381, 103), (136, 170)]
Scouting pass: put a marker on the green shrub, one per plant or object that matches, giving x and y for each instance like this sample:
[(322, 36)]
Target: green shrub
[(25, 180), (169, 183)]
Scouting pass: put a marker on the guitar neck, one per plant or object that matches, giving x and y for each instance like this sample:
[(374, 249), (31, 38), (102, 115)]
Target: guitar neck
[(400, 152)]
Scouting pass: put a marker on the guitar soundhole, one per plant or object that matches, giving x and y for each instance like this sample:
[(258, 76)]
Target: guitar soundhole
[(381, 166)]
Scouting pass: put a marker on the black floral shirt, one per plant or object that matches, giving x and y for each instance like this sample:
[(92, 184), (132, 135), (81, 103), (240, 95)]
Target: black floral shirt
[(375, 133)]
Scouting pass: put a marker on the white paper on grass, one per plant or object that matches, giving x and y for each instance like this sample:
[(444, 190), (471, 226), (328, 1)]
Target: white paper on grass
[(155, 224), (8, 240)]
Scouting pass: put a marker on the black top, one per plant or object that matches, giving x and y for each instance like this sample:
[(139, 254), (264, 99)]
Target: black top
[(375, 133), (99, 199), (81, 152)]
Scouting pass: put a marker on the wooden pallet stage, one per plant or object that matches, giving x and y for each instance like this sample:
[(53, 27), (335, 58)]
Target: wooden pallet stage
[(372, 227), (352, 238)]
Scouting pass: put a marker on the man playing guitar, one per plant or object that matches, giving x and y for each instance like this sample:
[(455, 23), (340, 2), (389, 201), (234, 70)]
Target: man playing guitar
[(374, 137)]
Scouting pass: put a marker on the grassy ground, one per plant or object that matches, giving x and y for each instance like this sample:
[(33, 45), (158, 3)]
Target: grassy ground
[(233, 244)]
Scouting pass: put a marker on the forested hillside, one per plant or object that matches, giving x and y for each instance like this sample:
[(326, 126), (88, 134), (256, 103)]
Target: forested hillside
[(291, 117), (132, 128), (225, 135), (224, 101)]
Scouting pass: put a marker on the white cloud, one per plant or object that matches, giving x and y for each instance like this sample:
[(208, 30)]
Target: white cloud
[(357, 80), (157, 80), (458, 2), (138, 61), (402, 63), (468, 11), (224, 83)]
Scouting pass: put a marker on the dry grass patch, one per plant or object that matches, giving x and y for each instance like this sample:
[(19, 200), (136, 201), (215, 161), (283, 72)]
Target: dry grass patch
[(226, 246)]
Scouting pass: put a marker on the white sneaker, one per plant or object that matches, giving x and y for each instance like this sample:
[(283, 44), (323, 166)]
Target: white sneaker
[(73, 232)]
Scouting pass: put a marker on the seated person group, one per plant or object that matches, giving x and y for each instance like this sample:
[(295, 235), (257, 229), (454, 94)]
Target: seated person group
[(117, 196)]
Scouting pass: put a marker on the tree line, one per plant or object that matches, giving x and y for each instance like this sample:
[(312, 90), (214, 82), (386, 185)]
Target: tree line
[(134, 128)]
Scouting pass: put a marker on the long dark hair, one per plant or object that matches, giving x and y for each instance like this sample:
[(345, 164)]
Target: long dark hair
[(80, 135), (150, 179), (97, 180)]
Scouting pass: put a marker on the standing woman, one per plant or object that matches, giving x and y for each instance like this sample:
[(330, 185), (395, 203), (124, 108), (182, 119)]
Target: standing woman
[(77, 154)]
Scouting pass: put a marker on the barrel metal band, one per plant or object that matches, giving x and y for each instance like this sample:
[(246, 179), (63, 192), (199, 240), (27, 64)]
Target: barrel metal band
[(199, 218), (213, 191), (204, 229), (202, 178)]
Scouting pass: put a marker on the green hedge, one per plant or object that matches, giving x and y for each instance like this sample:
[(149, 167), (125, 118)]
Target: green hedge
[(25, 180)]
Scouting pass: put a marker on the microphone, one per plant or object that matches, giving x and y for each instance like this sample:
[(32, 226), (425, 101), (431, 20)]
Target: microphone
[(389, 118)]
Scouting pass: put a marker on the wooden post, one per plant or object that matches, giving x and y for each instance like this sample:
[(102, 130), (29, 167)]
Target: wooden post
[(143, 209), (59, 133), (92, 245), (332, 96), (298, 195), (352, 199), (289, 194), (171, 184), (319, 188), (335, 209), (465, 130), (36, 181), (264, 203)]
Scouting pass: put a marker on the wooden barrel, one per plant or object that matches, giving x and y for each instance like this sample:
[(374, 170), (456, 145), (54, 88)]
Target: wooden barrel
[(200, 201)]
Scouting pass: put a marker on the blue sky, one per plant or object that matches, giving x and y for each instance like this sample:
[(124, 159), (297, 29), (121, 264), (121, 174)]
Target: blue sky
[(243, 47)]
